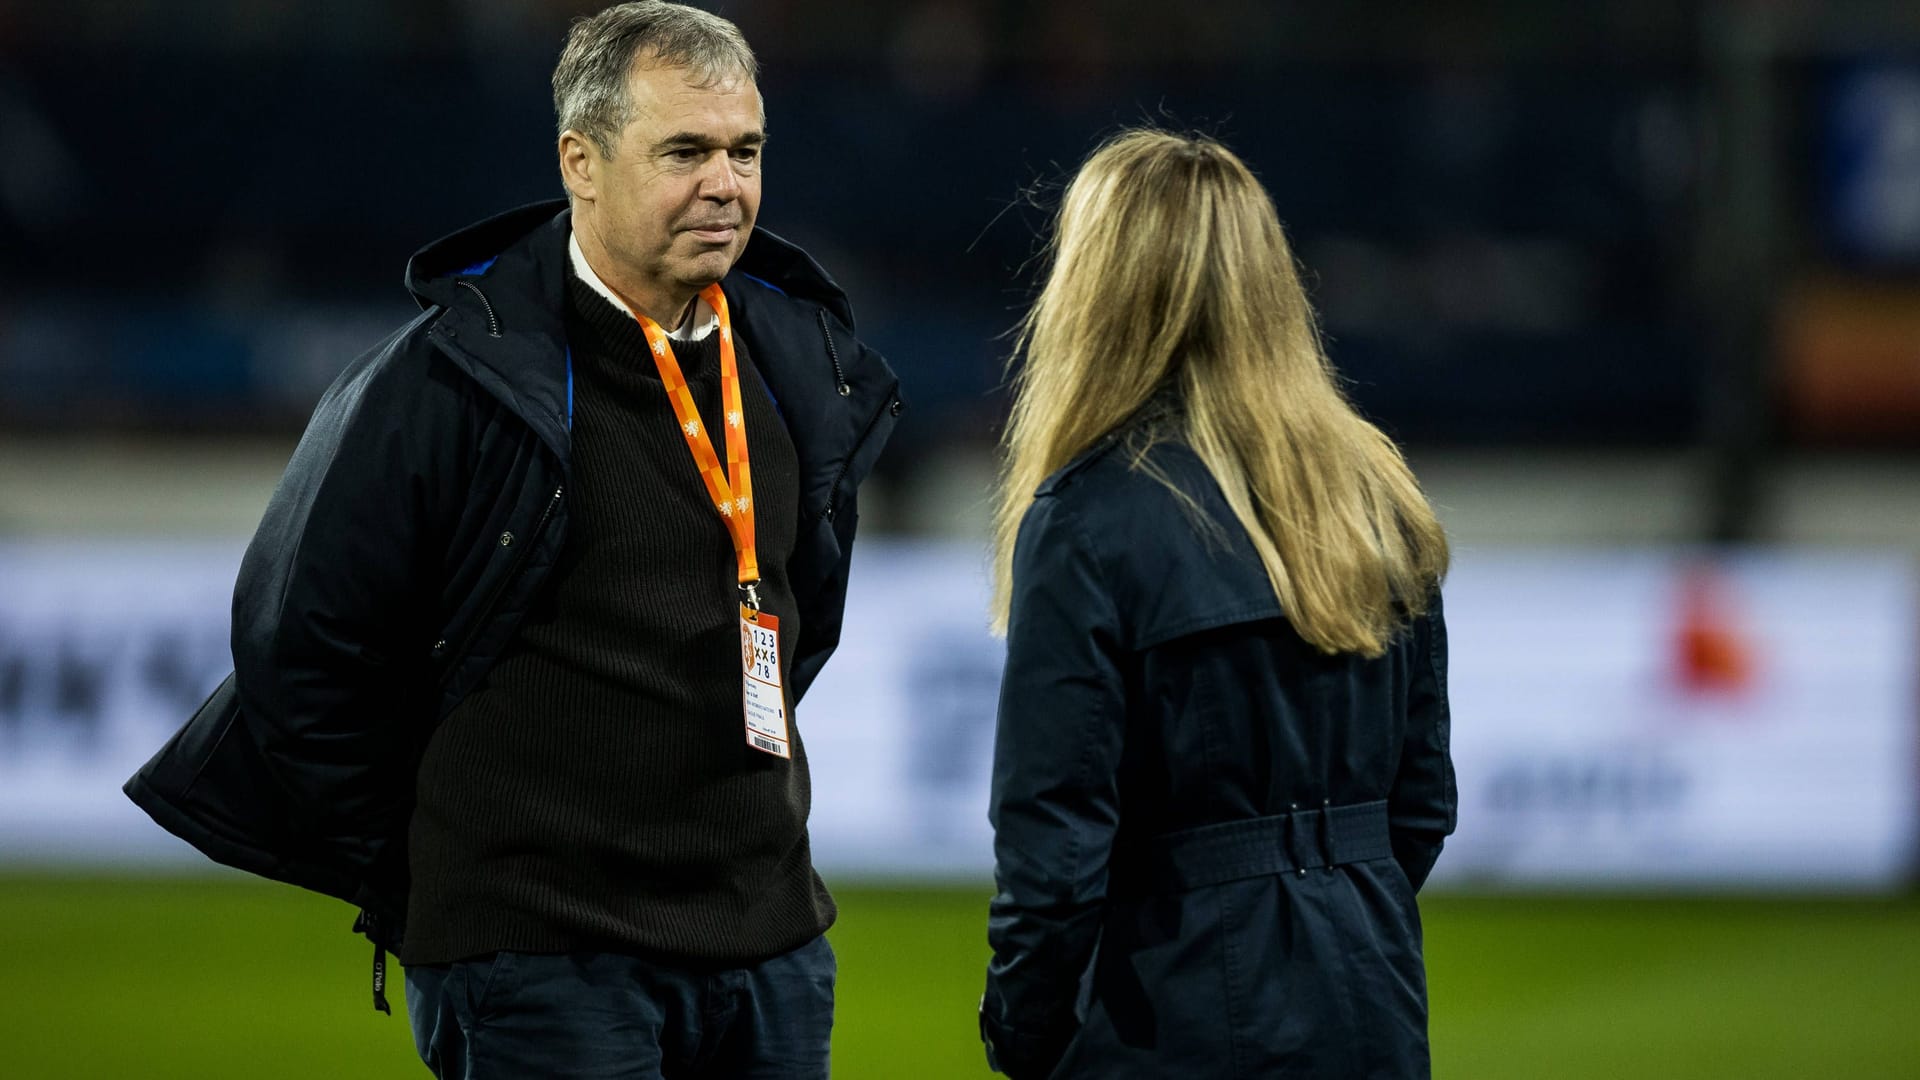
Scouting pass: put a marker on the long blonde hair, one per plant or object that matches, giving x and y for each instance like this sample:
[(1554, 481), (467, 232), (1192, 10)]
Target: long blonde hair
[(1170, 268)]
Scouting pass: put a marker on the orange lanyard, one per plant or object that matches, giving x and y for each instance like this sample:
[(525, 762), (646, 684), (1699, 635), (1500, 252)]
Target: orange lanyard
[(732, 488)]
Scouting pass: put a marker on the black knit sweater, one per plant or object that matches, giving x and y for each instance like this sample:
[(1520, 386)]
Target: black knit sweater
[(596, 792)]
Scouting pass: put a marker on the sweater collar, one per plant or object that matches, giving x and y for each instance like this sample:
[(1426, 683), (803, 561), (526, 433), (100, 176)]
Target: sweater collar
[(700, 322)]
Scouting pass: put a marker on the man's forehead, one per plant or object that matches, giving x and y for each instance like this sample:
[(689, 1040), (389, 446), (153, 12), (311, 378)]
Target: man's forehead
[(669, 93), (666, 78)]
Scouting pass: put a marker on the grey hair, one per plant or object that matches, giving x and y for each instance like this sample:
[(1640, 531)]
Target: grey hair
[(590, 81)]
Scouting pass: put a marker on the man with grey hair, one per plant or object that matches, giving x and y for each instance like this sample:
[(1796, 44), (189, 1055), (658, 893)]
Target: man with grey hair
[(518, 644)]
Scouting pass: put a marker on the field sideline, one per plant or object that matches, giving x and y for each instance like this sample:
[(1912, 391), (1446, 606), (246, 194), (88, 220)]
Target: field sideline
[(213, 977)]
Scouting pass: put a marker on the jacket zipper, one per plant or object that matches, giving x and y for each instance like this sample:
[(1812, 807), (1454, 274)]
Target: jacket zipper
[(500, 588), (833, 354), (833, 492), (493, 323), (846, 389)]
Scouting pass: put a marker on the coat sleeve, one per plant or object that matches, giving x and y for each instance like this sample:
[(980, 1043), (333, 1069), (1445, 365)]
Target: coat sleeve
[(1423, 806), (1054, 804), (336, 602)]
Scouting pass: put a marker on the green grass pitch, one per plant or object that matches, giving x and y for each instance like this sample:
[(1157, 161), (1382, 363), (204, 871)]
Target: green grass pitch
[(215, 976)]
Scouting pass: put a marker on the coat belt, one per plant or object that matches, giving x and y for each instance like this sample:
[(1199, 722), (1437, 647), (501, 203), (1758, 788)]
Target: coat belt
[(1297, 841)]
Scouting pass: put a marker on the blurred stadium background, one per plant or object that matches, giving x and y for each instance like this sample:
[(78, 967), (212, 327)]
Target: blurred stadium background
[(1636, 283)]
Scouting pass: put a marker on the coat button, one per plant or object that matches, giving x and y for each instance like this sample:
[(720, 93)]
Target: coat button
[(829, 511), (440, 648), (506, 539), (845, 389), (895, 407)]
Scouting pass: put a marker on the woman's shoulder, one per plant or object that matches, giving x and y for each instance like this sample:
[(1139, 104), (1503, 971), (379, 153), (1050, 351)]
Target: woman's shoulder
[(1167, 543), (1126, 472)]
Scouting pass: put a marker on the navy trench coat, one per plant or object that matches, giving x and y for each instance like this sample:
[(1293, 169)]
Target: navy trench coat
[(1208, 834)]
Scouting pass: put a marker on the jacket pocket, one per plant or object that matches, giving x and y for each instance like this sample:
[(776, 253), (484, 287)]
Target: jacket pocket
[(1400, 889)]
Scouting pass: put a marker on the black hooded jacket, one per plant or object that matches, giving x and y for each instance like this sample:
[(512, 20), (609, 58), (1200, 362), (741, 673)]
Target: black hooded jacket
[(420, 518)]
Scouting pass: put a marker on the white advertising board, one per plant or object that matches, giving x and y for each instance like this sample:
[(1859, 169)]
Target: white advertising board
[(1621, 720), (106, 647), (1649, 719)]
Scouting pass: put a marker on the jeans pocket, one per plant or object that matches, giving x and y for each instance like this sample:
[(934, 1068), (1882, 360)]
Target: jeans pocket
[(427, 1009), (486, 983), (825, 969), (830, 961)]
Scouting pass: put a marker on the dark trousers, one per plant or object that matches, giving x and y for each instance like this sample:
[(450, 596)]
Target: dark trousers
[(602, 1016)]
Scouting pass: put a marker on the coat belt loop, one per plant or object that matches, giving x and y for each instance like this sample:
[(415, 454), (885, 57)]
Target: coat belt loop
[(1294, 854), (1323, 817)]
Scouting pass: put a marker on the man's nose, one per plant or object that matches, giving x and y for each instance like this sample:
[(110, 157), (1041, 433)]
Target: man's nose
[(718, 181)]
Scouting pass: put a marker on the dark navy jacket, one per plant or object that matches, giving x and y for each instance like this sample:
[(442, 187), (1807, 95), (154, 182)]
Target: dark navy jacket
[(1208, 834), (420, 518)]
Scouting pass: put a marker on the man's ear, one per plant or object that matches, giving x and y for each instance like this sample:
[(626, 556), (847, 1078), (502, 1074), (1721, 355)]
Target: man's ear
[(580, 163)]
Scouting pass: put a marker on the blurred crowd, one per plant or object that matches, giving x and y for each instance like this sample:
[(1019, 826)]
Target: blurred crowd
[(1515, 215)]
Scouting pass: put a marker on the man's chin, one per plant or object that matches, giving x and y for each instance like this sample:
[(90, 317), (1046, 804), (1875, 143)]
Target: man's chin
[(707, 267)]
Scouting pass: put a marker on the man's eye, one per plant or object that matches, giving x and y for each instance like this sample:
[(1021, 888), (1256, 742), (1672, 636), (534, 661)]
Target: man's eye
[(747, 154), (686, 153)]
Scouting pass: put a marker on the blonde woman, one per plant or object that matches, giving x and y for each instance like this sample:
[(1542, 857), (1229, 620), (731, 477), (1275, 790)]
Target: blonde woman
[(1221, 769)]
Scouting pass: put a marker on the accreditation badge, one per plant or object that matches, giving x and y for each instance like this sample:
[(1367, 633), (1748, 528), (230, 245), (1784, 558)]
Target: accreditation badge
[(765, 699)]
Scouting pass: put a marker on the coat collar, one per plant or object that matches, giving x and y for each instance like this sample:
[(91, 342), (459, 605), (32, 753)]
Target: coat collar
[(496, 251), (500, 288)]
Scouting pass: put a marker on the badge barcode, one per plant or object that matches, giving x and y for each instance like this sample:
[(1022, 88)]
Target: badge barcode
[(768, 745)]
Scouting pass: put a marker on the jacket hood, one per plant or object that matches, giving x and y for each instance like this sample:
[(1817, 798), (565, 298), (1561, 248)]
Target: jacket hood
[(473, 253)]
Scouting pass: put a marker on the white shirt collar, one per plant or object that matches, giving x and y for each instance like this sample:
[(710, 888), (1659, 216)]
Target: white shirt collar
[(700, 322)]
